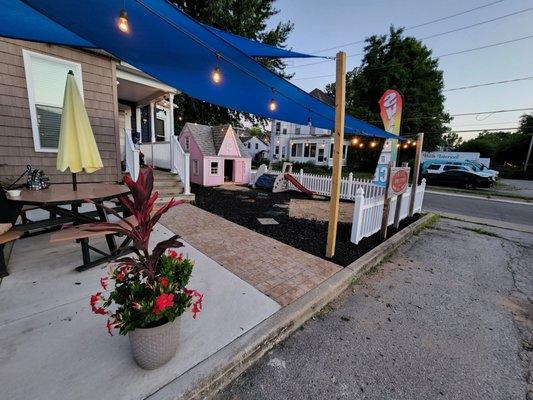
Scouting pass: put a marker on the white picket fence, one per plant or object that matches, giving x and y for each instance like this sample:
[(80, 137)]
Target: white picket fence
[(368, 211), (321, 184)]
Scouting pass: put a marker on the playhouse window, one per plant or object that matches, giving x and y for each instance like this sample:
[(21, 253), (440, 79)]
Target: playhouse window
[(278, 127), (284, 131), (187, 143), (276, 150), (195, 167), (214, 168), (256, 146), (297, 130), (46, 77)]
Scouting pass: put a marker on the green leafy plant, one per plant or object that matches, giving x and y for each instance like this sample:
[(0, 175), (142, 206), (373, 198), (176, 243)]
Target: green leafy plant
[(149, 288)]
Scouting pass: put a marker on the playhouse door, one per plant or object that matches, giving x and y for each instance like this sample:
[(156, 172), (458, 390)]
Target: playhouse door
[(240, 167)]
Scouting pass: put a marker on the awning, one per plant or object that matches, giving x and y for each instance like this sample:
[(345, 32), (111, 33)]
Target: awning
[(174, 48), (20, 21)]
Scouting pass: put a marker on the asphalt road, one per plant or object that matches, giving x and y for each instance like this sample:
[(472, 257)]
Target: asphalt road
[(480, 208), (428, 324)]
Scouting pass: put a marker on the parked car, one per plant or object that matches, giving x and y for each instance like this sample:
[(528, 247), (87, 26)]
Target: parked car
[(439, 166), (458, 176)]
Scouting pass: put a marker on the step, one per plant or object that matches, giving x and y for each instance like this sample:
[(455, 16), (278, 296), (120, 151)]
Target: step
[(166, 184), (170, 192), (185, 197)]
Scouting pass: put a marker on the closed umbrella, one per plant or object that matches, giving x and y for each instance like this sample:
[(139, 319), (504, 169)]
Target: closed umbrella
[(77, 147)]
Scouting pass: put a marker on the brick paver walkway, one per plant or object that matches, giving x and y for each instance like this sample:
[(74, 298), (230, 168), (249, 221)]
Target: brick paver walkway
[(280, 271)]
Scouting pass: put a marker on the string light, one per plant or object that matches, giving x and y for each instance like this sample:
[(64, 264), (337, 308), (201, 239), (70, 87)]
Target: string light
[(355, 141), (272, 105), (405, 146), (373, 144), (361, 145), (122, 22), (216, 75)]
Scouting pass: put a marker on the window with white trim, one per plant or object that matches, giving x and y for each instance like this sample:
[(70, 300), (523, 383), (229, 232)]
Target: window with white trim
[(195, 169), (46, 77), (214, 167)]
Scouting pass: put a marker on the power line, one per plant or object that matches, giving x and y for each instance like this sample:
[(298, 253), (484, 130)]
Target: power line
[(417, 26), (439, 56), (431, 36), (488, 84)]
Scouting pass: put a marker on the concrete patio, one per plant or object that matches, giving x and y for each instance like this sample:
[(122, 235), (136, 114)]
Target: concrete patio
[(52, 346)]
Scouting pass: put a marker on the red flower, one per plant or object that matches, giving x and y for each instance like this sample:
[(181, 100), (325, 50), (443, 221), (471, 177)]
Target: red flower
[(120, 276), (103, 282), (162, 302), (163, 281), (110, 326), (175, 255), (95, 298), (197, 305)]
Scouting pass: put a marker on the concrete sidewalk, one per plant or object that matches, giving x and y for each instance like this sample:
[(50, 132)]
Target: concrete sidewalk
[(447, 317)]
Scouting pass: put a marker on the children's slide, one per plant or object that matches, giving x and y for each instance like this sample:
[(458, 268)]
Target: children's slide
[(298, 185)]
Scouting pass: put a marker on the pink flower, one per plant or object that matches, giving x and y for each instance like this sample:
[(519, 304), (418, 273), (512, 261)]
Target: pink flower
[(162, 302), (121, 275), (197, 305), (110, 326), (163, 281), (136, 306), (103, 283)]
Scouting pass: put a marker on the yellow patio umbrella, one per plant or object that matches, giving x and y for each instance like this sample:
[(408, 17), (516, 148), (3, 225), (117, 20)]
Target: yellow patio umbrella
[(77, 147)]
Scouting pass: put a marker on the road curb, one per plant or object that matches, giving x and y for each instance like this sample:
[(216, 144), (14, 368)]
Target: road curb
[(214, 373)]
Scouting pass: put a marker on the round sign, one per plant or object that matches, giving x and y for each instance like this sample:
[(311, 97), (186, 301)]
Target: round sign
[(399, 181)]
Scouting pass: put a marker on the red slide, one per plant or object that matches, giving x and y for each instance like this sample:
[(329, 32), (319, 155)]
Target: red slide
[(298, 185)]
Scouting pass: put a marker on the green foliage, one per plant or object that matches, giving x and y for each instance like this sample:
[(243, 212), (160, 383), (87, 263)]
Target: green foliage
[(394, 61), (247, 18), (255, 131), (503, 147), (452, 140)]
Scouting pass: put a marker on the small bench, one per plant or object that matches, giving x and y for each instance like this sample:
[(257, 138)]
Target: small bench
[(83, 233), (6, 238)]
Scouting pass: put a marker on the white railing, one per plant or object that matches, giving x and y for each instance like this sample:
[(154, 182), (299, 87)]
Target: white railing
[(159, 152), (368, 211), (180, 164), (132, 156), (321, 184)]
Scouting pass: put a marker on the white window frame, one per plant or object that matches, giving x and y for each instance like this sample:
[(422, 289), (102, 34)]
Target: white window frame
[(195, 169), (27, 56), (211, 168)]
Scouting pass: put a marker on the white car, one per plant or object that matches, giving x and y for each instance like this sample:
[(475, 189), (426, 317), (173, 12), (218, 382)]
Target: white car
[(440, 167)]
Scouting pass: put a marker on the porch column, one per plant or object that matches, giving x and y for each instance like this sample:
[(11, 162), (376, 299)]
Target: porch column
[(171, 133), (152, 120)]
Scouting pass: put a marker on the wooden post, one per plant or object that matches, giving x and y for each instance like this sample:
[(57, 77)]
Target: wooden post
[(152, 129), (416, 170), (399, 200), (386, 204), (340, 104)]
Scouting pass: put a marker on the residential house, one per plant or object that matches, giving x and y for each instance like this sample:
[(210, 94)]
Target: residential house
[(217, 155), (258, 147), (123, 104), (304, 143)]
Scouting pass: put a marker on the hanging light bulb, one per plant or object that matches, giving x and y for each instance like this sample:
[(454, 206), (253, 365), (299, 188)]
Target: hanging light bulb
[(216, 75), (373, 144), (398, 145), (272, 104), (405, 146), (122, 22), (413, 143), (361, 145), (355, 141)]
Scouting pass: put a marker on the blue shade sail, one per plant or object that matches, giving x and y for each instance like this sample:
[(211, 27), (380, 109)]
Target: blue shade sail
[(174, 48)]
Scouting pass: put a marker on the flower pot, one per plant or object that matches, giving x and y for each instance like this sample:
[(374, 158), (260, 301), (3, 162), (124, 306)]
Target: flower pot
[(154, 347)]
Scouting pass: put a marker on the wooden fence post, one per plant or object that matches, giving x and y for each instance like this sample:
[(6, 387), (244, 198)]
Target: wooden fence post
[(416, 170), (357, 220), (340, 108)]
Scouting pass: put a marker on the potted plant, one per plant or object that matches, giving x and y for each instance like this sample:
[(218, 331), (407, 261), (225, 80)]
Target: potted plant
[(148, 289)]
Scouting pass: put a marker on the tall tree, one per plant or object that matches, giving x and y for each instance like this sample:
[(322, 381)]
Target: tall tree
[(247, 18), (394, 61)]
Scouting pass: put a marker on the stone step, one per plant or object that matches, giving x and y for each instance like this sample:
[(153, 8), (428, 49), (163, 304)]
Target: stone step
[(170, 191), (170, 183), (185, 197)]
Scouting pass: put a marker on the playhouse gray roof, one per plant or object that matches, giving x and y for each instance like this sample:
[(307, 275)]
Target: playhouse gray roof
[(210, 138)]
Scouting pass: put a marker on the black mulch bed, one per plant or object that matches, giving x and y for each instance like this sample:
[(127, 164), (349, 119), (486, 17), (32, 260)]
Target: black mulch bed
[(243, 206)]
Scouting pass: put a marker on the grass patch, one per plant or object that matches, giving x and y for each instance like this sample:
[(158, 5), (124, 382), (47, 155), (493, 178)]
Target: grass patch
[(481, 231)]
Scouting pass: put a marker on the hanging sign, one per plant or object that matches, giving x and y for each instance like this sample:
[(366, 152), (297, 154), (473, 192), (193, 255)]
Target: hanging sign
[(399, 180), (391, 106)]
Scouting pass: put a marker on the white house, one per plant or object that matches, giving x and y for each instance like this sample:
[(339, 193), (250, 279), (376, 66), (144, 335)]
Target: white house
[(256, 146), (303, 143)]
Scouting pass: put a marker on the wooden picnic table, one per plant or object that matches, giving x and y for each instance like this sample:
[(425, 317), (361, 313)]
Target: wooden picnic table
[(54, 199)]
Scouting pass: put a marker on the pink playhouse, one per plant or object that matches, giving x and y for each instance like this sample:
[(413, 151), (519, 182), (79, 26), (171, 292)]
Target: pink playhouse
[(217, 155)]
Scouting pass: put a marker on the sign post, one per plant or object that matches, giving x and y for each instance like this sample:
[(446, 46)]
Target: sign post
[(340, 104), (386, 204), (399, 185), (416, 171)]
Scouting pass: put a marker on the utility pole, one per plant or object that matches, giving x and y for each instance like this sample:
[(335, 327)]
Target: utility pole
[(340, 105)]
